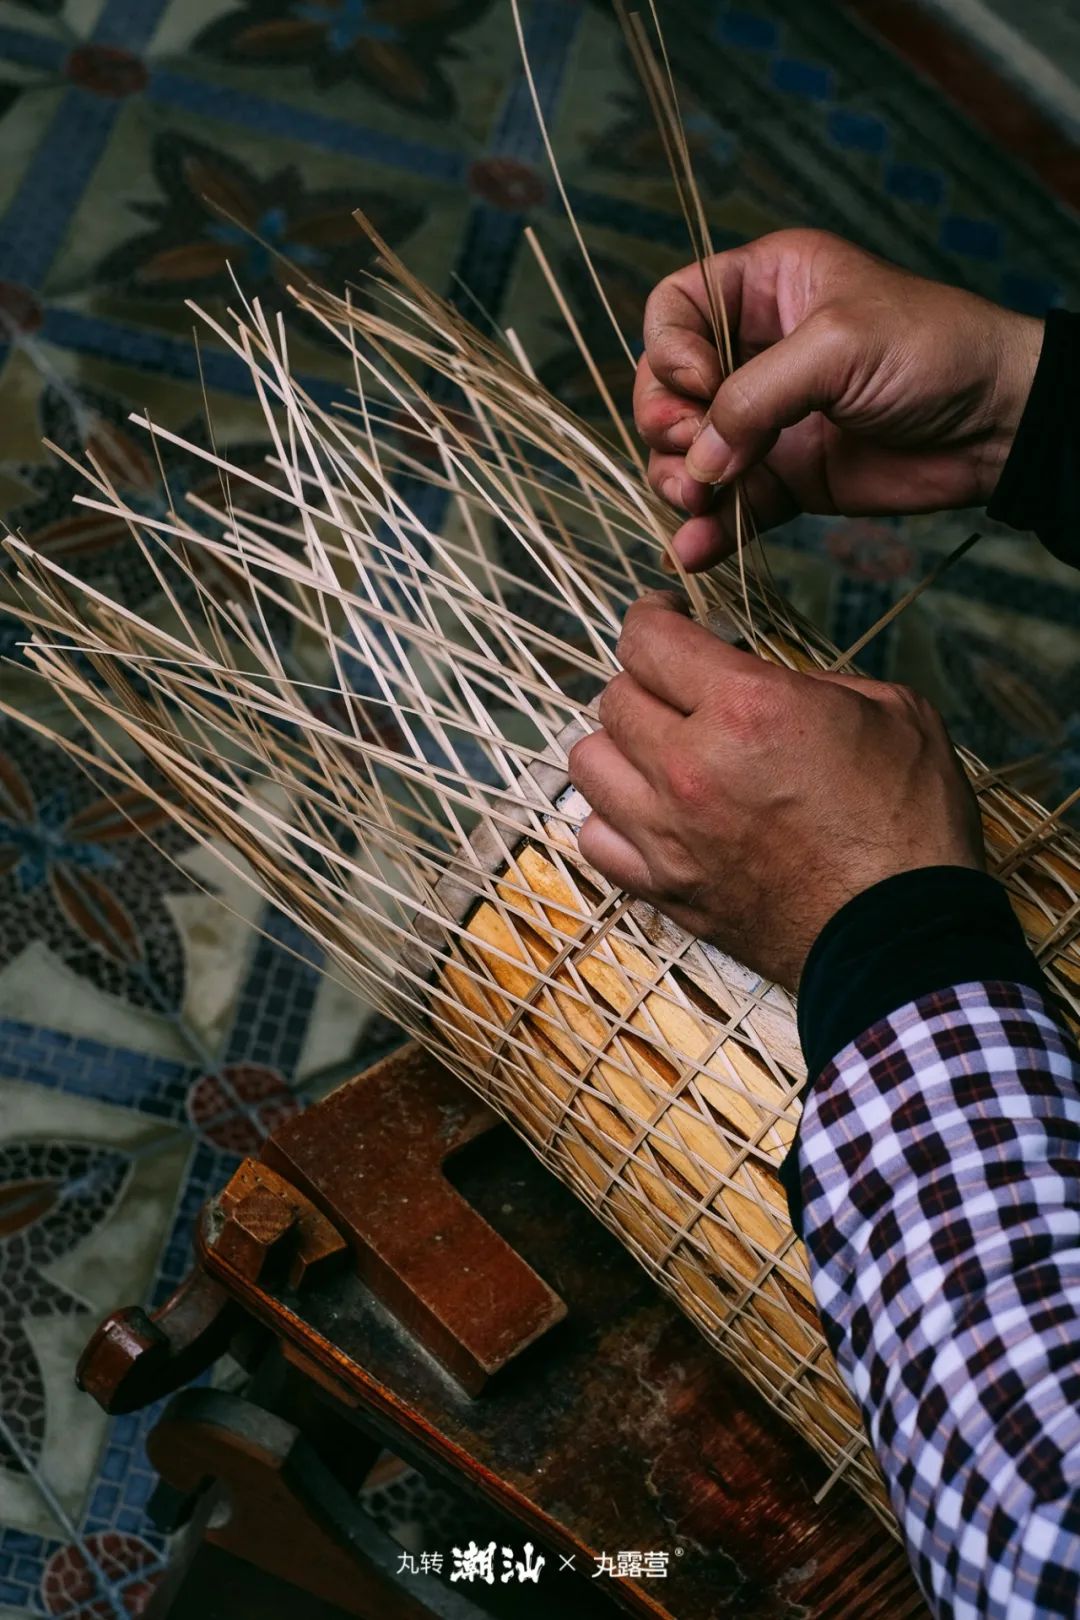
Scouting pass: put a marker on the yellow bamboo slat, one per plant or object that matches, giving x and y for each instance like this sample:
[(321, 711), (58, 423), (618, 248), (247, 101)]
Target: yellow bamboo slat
[(673, 1128)]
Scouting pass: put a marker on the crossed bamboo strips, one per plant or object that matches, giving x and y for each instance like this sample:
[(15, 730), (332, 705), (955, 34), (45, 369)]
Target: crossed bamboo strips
[(454, 558)]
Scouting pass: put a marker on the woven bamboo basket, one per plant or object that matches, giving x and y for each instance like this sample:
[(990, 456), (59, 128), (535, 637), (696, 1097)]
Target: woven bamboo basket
[(438, 866)]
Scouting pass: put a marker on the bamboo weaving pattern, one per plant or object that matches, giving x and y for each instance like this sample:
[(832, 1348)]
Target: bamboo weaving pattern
[(459, 551)]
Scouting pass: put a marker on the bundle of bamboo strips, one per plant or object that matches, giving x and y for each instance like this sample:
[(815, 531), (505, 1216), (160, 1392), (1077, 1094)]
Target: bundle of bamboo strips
[(411, 807), (460, 550)]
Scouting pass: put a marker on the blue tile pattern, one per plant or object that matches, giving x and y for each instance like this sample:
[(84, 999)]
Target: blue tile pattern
[(22, 1558), (89, 1068), (275, 1003)]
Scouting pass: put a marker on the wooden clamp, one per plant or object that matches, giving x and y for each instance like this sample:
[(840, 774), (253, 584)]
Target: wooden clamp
[(371, 1157), (260, 1217), (282, 1509), (360, 1175), (137, 1356)]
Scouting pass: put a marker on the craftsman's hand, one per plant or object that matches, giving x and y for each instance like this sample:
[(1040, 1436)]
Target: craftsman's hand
[(749, 803), (859, 388)]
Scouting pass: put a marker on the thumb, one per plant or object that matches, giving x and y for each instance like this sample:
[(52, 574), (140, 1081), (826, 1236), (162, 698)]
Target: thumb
[(810, 370)]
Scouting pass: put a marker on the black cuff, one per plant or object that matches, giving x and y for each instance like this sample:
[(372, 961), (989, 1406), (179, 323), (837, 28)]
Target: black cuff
[(1039, 488), (901, 939)]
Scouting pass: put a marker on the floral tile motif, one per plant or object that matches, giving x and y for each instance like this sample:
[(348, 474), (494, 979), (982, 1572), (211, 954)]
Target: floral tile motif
[(125, 1566), (215, 218), (79, 872), (154, 476), (397, 47), (52, 1195), (147, 1039), (564, 370), (88, 1192)]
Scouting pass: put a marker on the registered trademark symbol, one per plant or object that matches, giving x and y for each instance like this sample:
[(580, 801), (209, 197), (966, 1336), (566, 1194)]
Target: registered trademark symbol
[(679, 1551)]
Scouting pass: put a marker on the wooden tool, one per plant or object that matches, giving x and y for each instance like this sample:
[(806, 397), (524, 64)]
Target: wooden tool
[(604, 1424), (372, 1158)]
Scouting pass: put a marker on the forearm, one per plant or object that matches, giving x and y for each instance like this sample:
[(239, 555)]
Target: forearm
[(939, 1170)]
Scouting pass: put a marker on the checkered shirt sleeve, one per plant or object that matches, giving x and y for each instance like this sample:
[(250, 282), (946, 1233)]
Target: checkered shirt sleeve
[(941, 1185)]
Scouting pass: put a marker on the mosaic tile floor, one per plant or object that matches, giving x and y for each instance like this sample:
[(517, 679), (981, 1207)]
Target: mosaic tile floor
[(148, 1036)]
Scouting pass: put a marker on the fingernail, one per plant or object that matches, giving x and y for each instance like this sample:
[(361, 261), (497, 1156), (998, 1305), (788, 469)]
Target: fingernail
[(681, 434), (667, 563), (671, 490), (688, 380), (709, 456)]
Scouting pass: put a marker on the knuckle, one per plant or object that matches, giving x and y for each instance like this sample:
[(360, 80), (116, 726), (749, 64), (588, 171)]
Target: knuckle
[(905, 700), (659, 468), (659, 299), (687, 776), (587, 840), (918, 719), (675, 873), (733, 407), (753, 708), (593, 848), (835, 326), (806, 242), (900, 695), (631, 636)]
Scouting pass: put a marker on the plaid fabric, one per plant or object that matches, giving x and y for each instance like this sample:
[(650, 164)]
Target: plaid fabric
[(941, 1179)]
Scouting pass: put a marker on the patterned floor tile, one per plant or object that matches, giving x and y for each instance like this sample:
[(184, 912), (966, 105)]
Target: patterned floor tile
[(87, 1191)]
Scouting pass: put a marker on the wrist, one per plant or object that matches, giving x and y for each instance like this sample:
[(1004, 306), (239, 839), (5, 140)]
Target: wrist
[(1016, 359), (913, 935), (905, 937)]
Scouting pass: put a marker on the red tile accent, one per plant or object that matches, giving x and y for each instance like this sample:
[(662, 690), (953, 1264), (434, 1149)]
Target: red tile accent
[(997, 106)]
